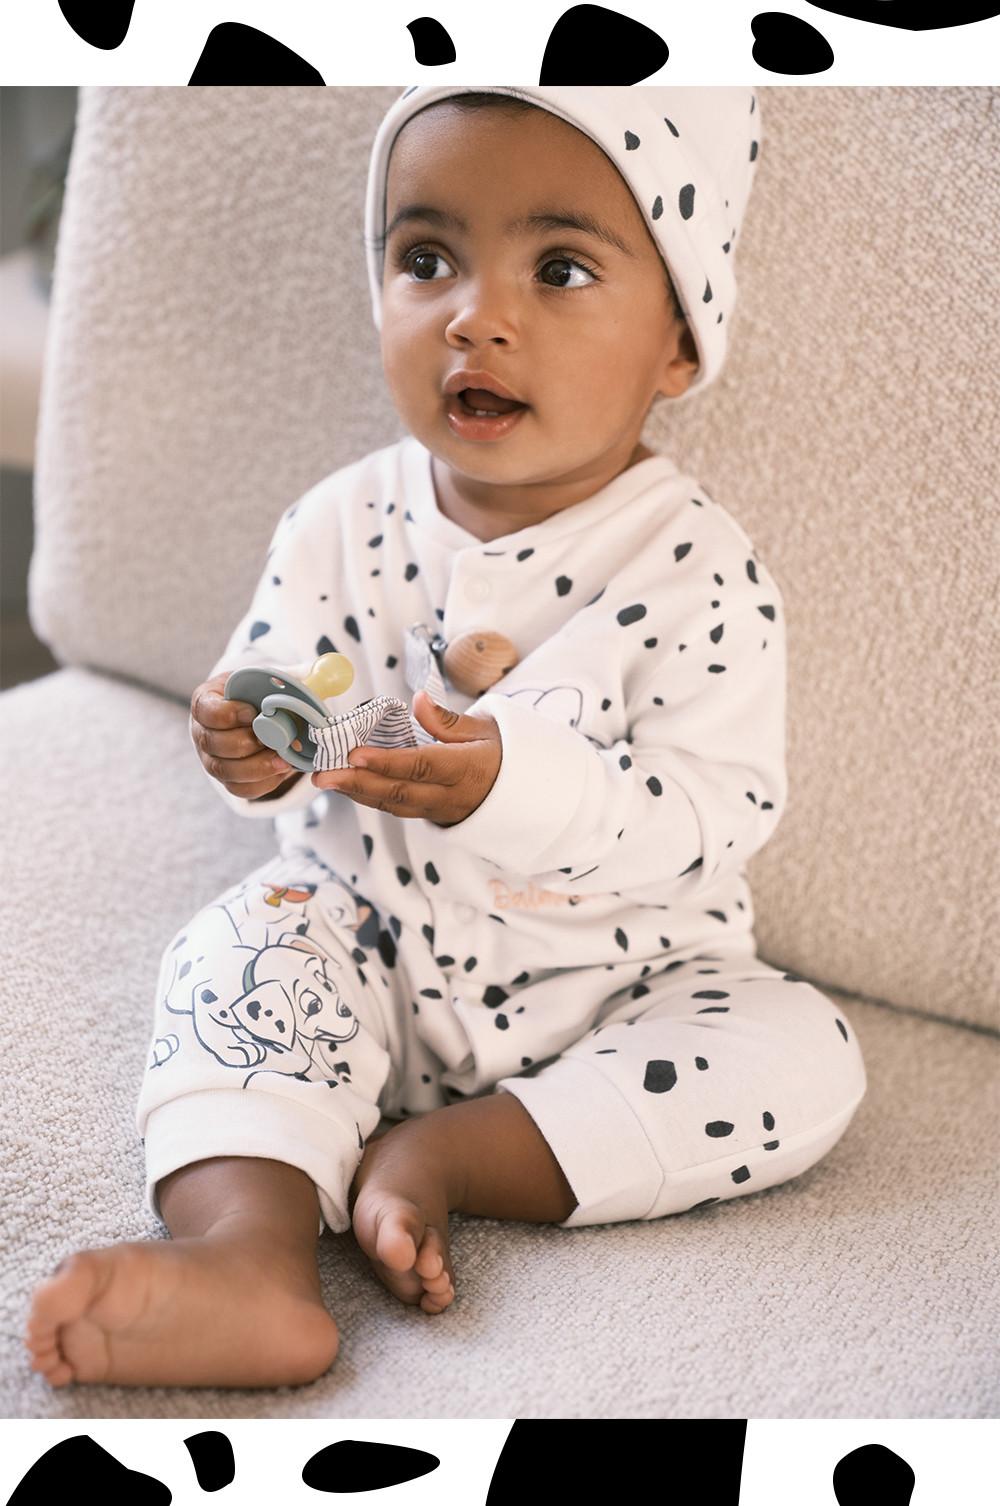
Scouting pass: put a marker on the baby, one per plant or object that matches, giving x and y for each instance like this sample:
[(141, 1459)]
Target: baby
[(515, 924)]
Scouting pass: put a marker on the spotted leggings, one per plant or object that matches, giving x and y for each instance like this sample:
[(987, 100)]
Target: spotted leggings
[(280, 1032)]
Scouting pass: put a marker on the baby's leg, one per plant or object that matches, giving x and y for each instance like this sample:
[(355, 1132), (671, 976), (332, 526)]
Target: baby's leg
[(232, 1299)]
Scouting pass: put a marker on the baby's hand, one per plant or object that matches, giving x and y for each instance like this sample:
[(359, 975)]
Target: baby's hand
[(438, 783), (229, 749)]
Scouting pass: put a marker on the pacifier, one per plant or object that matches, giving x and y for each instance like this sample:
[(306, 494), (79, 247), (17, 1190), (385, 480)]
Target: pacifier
[(289, 707)]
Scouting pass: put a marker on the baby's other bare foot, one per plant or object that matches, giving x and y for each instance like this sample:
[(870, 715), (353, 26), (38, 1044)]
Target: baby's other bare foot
[(399, 1213), (228, 1310)]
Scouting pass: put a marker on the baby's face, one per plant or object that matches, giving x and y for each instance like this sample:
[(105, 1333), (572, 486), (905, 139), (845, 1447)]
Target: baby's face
[(580, 330)]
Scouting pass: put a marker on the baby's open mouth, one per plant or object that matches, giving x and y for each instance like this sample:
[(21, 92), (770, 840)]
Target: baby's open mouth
[(478, 400)]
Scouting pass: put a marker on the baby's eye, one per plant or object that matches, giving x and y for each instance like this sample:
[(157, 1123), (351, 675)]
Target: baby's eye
[(410, 260)]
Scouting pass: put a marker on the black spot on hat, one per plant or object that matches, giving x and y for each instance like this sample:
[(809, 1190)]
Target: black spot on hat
[(710, 993), (628, 615), (258, 629), (717, 632), (768, 1120), (703, 1204), (411, 570), (741, 1174), (691, 867), (324, 645), (387, 948), (523, 554), (842, 1028), (714, 1009), (494, 996), (631, 141), (706, 297), (404, 875), (673, 128), (771, 1144), (563, 585), (680, 551), (701, 1063), (621, 939), (718, 1128), (686, 201), (237, 54), (753, 151), (470, 963), (767, 612), (657, 209), (431, 873), (752, 572), (501, 1022), (660, 1077)]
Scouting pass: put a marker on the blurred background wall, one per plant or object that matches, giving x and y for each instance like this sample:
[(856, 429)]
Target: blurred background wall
[(36, 132)]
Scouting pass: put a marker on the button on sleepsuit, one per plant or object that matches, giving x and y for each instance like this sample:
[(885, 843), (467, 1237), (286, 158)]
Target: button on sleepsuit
[(584, 939)]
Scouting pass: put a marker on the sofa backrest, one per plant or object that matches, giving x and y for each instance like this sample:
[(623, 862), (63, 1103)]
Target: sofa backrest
[(211, 355)]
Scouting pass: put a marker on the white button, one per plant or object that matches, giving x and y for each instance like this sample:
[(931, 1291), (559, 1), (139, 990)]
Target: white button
[(478, 588), (466, 913)]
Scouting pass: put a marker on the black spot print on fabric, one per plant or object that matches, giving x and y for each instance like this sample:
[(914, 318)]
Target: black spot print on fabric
[(607, 1051), (238, 54), (873, 1473), (701, 1064), (767, 612), (367, 844), (623, 763), (493, 996), (631, 614), (590, 44), (207, 996), (639, 991), (563, 585), (470, 963), (705, 1203), (673, 128), (600, 593), (716, 669), (184, 969), (717, 915), (431, 874), (686, 201), (501, 1022), (653, 785), (605, 704), (213, 1459), (718, 1128), (352, 1466), (404, 875), (706, 297), (631, 141), (621, 938), (374, 543), (76, 1461), (430, 993), (709, 993), (657, 209), (717, 632), (768, 1120), (532, 1457), (104, 26), (792, 978), (842, 1028), (445, 960), (741, 1174), (410, 571), (324, 645), (771, 1144), (691, 867), (258, 629), (714, 1009), (432, 46), (351, 628), (650, 642), (660, 1076), (387, 948), (391, 662), (681, 551)]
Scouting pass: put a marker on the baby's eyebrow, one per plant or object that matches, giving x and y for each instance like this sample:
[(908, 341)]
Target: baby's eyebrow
[(540, 219)]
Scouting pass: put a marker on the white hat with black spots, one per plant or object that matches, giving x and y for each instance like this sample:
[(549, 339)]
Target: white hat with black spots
[(688, 156)]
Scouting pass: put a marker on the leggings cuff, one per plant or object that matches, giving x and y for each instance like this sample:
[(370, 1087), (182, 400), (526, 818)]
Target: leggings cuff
[(235, 1122), (602, 1149)]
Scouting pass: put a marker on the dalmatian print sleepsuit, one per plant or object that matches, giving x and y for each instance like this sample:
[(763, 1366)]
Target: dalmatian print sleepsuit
[(584, 939)]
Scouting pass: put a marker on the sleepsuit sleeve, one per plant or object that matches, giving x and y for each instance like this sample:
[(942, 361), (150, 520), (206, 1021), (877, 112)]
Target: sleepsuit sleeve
[(696, 787), (279, 626)]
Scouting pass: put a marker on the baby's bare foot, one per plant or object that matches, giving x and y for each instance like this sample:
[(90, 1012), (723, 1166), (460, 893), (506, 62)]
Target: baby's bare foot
[(217, 1311), (399, 1215)]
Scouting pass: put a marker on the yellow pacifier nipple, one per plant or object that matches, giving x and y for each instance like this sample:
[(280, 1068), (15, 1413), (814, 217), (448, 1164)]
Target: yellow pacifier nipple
[(330, 675)]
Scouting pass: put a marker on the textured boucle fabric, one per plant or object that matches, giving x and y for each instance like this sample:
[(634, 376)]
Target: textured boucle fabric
[(212, 355), (868, 1287)]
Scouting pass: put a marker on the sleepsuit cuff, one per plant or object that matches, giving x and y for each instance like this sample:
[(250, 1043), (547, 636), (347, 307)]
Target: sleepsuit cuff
[(602, 1149), (551, 801), (232, 1122)]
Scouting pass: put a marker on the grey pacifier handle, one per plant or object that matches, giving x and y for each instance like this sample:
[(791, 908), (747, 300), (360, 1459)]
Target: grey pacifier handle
[(277, 730)]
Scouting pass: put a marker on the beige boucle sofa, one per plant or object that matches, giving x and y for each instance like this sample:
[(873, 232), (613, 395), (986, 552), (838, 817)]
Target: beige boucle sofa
[(211, 355)]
